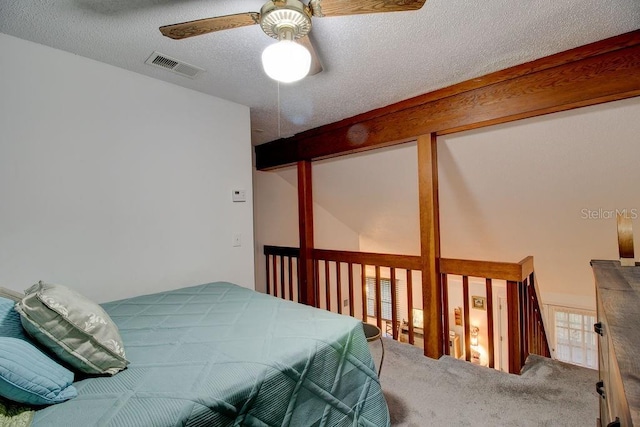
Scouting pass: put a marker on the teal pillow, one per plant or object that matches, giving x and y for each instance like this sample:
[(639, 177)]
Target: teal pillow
[(10, 325), (29, 376)]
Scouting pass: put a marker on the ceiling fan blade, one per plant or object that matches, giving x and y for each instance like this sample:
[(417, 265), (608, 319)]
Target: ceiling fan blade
[(316, 65), (322, 8), (209, 25)]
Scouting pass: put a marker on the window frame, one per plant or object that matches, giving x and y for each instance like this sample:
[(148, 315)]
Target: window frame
[(588, 342)]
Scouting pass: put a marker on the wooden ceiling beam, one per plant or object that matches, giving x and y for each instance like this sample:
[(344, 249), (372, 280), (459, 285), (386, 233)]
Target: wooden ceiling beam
[(604, 71)]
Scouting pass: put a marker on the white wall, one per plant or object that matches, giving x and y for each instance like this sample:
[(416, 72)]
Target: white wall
[(276, 219), (523, 189), (376, 194), (114, 183)]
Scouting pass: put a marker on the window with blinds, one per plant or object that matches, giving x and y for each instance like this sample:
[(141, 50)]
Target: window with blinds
[(574, 340), (385, 293)]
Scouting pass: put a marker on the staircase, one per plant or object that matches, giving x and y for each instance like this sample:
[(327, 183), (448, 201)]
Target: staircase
[(422, 391)]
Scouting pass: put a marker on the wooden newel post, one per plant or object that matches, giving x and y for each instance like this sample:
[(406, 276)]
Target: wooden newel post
[(306, 272), (430, 246), (625, 240)]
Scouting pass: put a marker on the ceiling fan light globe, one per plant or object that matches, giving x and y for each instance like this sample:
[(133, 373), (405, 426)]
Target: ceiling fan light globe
[(286, 61)]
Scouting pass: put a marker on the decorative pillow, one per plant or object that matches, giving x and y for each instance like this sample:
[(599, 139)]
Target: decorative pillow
[(29, 376), (76, 329), (10, 325)]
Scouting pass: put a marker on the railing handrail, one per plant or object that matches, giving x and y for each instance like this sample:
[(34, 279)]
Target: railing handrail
[(409, 262), (509, 271), (281, 251)]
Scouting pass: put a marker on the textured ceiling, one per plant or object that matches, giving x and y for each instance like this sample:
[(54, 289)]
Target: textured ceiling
[(369, 60)]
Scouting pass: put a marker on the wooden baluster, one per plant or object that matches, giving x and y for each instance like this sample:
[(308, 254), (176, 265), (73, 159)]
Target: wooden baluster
[(327, 282), (394, 302), (378, 298), (351, 290), (533, 340), (290, 265), (533, 321), (268, 271), (513, 327), (298, 282), (524, 301), (444, 280), (274, 265), (339, 284), (526, 320), (490, 345), (467, 326), (363, 280), (523, 325), (282, 294), (410, 304), (317, 282), (541, 350)]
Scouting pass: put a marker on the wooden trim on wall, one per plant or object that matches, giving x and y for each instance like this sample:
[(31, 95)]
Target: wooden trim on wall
[(604, 71)]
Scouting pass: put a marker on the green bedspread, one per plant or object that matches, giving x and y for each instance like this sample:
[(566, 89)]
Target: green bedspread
[(14, 414), (222, 355)]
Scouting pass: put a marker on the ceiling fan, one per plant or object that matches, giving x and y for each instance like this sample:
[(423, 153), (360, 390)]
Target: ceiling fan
[(286, 21)]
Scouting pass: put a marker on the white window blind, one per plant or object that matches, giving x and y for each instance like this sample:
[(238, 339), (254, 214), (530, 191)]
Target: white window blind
[(385, 293)]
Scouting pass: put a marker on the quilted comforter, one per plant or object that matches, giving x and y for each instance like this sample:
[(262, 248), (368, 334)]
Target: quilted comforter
[(222, 355)]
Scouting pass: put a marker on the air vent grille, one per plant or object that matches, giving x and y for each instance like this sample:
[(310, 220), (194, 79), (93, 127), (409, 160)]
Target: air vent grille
[(164, 62), (174, 65)]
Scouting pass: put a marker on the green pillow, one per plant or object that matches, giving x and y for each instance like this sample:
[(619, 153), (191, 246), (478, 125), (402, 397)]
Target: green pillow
[(76, 329)]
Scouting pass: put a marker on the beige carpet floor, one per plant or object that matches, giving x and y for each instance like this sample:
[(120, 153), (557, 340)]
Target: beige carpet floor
[(448, 392)]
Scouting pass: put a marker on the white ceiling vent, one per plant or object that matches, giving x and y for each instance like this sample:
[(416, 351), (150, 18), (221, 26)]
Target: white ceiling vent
[(179, 67)]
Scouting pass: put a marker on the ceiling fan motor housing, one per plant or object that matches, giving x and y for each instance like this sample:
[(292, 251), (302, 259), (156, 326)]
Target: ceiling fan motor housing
[(285, 19)]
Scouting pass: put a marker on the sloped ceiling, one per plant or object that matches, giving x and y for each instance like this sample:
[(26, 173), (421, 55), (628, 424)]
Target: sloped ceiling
[(369, 60)]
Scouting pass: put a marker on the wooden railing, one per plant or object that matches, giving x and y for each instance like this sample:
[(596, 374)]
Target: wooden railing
[(340, 285), (525, 323)]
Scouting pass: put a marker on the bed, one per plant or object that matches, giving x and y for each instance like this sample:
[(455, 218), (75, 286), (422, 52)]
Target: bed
[(221, 355)]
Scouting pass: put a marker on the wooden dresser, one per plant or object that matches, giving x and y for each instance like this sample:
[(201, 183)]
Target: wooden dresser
[(618, 327)]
